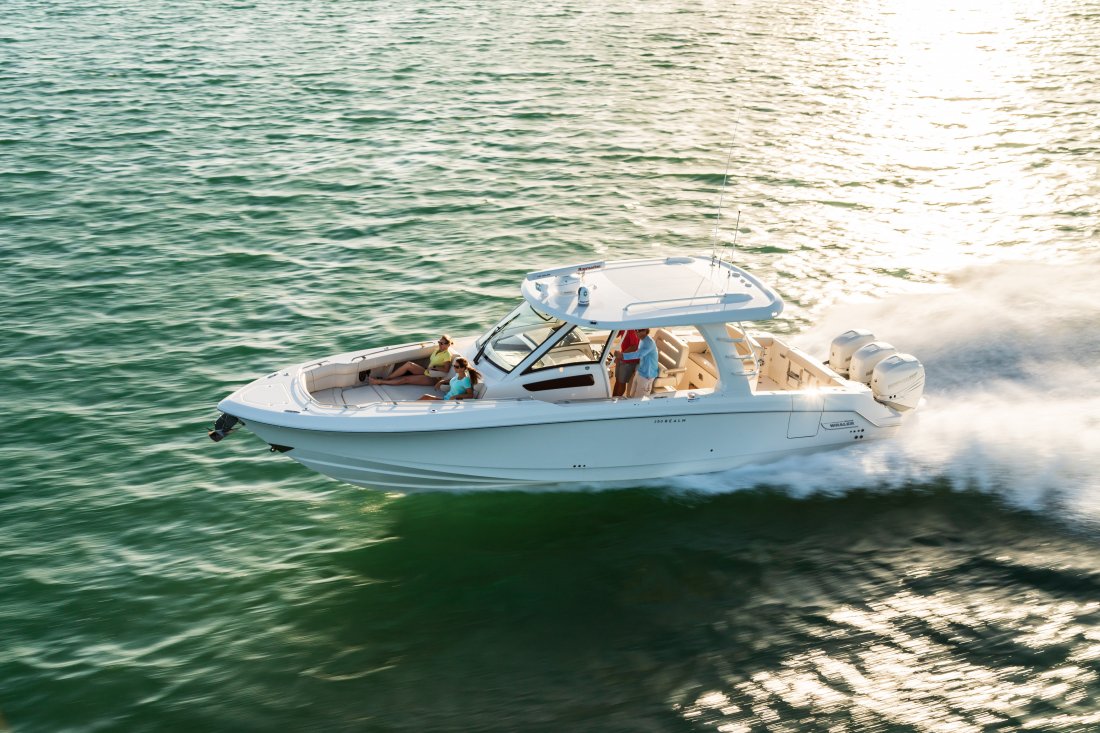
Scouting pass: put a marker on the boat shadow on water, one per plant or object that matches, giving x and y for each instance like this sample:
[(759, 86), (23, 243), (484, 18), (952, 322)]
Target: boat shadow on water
[(591, 601)]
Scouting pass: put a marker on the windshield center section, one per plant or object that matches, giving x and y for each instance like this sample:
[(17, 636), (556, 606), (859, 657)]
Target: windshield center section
[(517, 335)]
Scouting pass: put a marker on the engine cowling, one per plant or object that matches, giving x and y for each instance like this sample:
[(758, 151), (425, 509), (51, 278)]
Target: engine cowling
[(898, 381), (865, 359), (844, 345)]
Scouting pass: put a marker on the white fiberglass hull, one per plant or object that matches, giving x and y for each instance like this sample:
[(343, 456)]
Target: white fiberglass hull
[(614, 449), (542, 410)]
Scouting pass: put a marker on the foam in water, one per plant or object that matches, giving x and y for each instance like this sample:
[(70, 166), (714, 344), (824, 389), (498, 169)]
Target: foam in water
[(1013, 405)]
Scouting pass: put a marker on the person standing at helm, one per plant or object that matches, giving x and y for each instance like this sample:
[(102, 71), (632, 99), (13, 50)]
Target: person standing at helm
[(625, 368), (648, 367)]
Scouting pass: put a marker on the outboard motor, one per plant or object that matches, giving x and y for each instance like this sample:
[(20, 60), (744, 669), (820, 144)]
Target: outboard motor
[(844, 345), (222, 427), (865, 359), (898, 381)]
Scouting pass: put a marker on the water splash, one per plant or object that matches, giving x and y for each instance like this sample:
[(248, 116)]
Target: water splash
[(1013, 400)]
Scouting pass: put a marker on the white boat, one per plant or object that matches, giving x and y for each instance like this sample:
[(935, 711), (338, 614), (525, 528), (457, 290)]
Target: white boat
[(544, 412)]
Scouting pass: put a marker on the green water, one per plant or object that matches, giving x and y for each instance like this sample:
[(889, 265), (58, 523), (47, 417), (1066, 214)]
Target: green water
[(192, 195)]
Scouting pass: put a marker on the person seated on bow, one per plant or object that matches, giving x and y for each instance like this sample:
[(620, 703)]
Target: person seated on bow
[(439, 366), (460, 386)]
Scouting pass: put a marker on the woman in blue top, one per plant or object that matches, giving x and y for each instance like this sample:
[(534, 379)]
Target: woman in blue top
[(461, 385)]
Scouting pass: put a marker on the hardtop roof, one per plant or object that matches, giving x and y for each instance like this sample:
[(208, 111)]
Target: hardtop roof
[(672, 291)]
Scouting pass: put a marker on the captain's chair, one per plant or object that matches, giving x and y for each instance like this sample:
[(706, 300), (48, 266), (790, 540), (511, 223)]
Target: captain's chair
[(672, 359)]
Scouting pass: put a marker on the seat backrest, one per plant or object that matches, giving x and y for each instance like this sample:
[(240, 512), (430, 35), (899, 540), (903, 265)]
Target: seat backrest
[(672, 351), (330, 376), (451, 368), (479, 390)]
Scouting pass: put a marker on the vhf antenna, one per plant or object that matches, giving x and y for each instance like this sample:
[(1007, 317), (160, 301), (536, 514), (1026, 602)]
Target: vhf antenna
[(721, 195), (736, 234)]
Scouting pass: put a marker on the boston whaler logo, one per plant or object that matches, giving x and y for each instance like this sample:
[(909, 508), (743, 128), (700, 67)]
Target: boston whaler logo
[(838, 424), (670, 419)]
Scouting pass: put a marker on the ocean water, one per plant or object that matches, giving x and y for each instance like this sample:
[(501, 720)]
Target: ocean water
[(193, 194)]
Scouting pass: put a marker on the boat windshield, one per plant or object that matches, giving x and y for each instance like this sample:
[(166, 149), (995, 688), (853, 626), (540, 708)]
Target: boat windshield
[(517, 335)]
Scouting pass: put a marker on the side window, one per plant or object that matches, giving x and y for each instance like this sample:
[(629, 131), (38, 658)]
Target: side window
[(579, 346)]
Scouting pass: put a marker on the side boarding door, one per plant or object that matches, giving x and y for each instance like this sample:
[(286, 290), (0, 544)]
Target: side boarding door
[(805, 418)]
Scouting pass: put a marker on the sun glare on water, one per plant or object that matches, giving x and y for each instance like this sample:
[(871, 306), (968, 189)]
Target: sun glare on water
[(936, 115)]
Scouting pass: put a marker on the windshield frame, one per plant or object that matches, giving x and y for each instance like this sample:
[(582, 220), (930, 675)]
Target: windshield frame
[(603, 351), (487, 350)]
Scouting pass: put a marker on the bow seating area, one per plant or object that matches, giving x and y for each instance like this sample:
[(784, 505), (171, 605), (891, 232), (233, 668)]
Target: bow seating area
[(339, 384)]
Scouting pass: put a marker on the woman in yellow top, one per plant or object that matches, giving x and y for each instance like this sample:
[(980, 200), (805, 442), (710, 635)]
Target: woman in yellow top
[(439, 366)]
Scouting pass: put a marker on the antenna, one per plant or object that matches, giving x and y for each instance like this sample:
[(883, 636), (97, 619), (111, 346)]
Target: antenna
[(736, 233), (721, 195)]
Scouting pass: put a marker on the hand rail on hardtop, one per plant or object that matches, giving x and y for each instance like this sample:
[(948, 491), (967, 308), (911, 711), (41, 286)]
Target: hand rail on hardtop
[(690, 298)]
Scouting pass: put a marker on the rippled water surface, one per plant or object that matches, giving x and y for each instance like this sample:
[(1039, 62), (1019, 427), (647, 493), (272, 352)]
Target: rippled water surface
[(192, 194)]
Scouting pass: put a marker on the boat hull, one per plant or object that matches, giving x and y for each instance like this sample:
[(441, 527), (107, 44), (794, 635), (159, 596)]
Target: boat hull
[(615, 449)]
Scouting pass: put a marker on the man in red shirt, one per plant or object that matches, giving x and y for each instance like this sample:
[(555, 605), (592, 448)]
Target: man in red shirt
[(625, 368)]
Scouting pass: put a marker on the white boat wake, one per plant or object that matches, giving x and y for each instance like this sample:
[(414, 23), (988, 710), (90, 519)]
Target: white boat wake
[(1013, 353)]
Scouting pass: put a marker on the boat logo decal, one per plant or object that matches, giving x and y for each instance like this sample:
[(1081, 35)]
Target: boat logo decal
[(670, 419), (839, 424)]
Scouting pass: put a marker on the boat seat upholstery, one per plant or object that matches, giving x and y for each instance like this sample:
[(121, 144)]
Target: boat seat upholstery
[(329, 376), (338, 384), (336, 375), (672, 358)]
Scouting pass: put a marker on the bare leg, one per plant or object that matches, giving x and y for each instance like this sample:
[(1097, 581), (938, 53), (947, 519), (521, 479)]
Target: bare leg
[(429, 397), (411, 379), (406, 369)]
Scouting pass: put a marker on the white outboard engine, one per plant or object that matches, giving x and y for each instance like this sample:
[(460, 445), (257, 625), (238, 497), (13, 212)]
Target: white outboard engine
[(844, 345), (865, 359), (898, 381)]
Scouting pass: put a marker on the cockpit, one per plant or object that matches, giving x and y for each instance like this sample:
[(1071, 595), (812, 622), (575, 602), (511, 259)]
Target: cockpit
[(526, 330), (531, 354)]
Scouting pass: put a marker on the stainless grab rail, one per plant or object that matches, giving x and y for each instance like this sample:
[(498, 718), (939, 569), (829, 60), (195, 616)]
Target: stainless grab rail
[(757, 361), (714, 297), (384, 349)]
